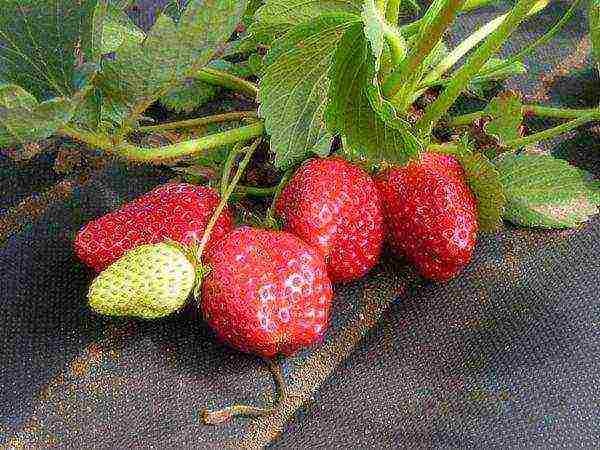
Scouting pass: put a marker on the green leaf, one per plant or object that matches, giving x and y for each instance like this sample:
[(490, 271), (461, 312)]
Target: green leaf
[(295, 12), (39, 41), (189, 96), (24, 120), (118, 28), (484, 181), (256, 64), (367, 123), (506, 113), (293, 90), (277, 17), (141, 73), (594, 22), (193, 93), (546, 192)]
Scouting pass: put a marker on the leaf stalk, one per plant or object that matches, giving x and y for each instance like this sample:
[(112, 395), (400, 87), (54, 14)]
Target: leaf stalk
[(429, 36), (168, 153), (199, 122), (553, 132), (461, 79)]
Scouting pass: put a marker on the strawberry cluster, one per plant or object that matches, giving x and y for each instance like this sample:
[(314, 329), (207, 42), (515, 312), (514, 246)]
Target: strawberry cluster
[(270, 292)]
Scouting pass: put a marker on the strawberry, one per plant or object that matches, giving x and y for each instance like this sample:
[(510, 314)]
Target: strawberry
[(267, 292), (148, 282), (430, 214), (334, 205), (174, 211)]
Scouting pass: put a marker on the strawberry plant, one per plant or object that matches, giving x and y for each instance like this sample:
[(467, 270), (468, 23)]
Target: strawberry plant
[(352, 131)]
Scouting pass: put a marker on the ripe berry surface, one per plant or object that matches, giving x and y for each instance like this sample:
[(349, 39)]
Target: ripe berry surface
[(174, 211), (267, 292), (334, 205), (430, 215)]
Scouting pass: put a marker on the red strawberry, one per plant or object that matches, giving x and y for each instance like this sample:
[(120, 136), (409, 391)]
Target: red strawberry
[(267, 292), (175, 211), (431, 215), (334, 206)]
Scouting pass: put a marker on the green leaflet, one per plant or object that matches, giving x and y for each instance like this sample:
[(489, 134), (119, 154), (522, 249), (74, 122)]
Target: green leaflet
[(99, 109), (141, 73), (293, 90), (484, 181), (118, 28), (23, 119), (546, 192), (39, 41), (506, 112), (189, 95), (295, 12), (277, 17), (367, 123)]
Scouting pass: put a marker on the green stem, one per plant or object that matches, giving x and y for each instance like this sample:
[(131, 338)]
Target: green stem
[(462, 49), (226, 414), (429, 36), (462, 77), (397, 47), (470, 5), (225, 197), (166, 153), (465, 119), (201, 121), (540, 111), (381, 5), (434, 78), (413, 27), (270, 220), (226, 173), (226, 80), (393, 11), (542, 40), (553, 132), (256, 191)]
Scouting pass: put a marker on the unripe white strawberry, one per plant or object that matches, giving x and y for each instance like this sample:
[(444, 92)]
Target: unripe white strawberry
[(148, 282)]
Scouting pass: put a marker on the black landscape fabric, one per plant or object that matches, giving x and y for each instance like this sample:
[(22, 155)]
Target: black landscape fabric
[(506, 356)]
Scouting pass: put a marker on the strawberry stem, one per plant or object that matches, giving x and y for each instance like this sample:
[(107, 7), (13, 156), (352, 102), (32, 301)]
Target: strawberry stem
[(462, 77), (270, 220), (199, 122), (226, 80), (167, 153), (226, 414), (225, 197), (393, 11), (540, 111), (553, 132), (225, 175), (442, 14), (542, 40), (254, 191), (470, 5), (381, 5)]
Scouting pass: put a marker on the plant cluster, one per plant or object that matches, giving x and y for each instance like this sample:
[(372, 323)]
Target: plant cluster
[(356, 116)]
